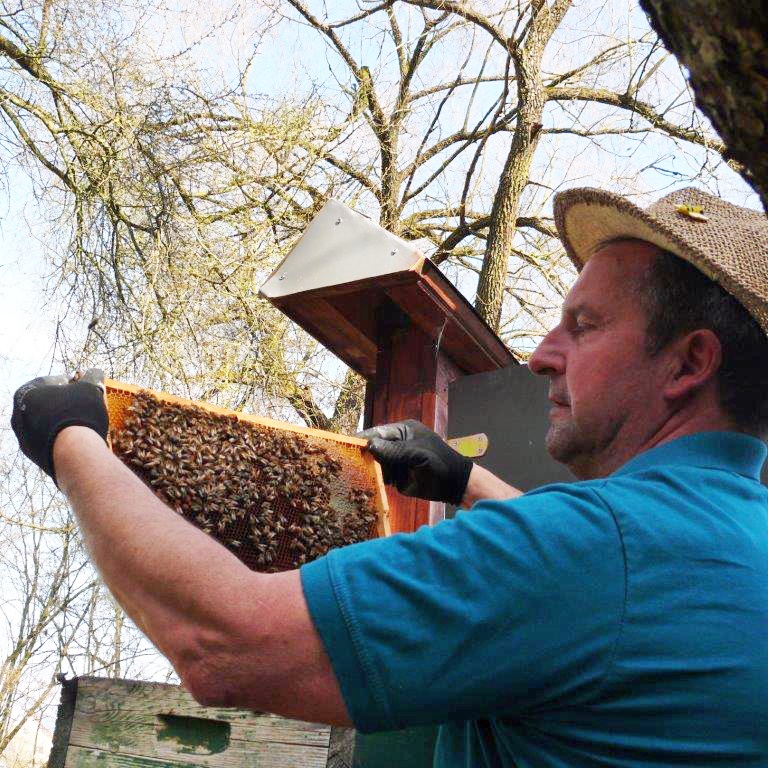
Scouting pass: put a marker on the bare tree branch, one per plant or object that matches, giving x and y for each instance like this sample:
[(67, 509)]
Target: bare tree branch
[(644, 110)]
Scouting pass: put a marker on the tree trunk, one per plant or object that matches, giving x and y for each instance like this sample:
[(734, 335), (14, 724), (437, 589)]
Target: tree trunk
[(390, 183), (725, 48), (506, 204)]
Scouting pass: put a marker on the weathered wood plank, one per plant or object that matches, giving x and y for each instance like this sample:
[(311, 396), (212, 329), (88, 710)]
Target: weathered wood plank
[(64, 718), (169, 699), (342, 748), (164, 722), (278, 756)]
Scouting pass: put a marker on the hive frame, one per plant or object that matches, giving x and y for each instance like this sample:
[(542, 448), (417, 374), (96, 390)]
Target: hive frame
[(115, 388)]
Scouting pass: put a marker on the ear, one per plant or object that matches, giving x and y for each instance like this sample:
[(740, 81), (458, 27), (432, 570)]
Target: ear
[(695, 359)]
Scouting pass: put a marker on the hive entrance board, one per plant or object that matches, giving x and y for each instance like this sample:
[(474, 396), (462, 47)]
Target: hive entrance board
[(275, 494), (113, 723)]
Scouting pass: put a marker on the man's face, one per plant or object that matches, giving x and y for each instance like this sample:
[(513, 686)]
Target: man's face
[(604, 389)]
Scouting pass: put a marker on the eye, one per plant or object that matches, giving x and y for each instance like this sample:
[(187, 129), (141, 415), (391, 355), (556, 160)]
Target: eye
[(580, 327)]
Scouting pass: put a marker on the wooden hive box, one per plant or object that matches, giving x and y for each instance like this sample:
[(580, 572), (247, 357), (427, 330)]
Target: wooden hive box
[(110, 723), (390, 314)]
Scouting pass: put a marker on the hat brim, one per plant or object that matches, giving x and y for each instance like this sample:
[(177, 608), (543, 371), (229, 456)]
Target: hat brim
[(586, 218)]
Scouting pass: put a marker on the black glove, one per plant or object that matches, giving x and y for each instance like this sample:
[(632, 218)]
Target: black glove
[(419, 462), (44, 406)]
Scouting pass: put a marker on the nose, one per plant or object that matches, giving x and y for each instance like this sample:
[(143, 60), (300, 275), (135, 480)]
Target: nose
[(548, 358)]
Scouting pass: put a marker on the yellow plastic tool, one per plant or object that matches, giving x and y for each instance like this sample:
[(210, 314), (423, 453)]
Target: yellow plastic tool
[(471, 446)]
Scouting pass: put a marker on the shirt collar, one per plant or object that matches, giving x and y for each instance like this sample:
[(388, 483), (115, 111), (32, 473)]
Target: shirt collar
[(732, 451)]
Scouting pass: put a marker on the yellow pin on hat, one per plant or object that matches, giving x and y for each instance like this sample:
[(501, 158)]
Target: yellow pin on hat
[(692, 211)]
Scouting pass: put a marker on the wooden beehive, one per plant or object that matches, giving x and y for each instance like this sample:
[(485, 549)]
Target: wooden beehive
[(390, 314), (127, 724), (188, 466)]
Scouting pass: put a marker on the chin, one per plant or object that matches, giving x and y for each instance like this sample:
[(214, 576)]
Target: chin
[(565, 447), (560, 445)]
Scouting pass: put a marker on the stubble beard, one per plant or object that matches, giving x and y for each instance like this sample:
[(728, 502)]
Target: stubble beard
[(578, 447), (565, 442)]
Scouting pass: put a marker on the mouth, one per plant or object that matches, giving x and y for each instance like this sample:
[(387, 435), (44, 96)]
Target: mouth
[(558, 402)]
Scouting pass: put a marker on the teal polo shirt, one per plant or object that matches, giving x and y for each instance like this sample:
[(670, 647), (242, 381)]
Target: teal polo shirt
[(613, 622)]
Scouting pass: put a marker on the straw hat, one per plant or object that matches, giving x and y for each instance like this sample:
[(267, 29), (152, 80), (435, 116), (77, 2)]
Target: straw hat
[(727, 243)]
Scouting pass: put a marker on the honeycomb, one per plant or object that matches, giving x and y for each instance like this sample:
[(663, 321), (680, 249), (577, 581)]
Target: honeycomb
[(275, 494)]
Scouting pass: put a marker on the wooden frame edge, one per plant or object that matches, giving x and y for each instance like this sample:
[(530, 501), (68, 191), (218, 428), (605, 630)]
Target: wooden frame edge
[(262, 420)]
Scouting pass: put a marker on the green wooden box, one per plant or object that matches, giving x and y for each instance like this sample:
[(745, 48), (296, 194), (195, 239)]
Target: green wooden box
[(108, 723)]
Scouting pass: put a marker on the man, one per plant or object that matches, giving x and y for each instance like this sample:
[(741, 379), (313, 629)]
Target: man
[(620, 620)]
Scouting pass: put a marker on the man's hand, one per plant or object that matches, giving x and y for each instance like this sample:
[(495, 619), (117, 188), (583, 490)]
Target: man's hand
[(418, 462), (44, 406)]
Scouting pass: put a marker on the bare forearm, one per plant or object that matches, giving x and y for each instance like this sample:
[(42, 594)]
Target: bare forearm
[(483, 484), (166, 573), (237, 638)]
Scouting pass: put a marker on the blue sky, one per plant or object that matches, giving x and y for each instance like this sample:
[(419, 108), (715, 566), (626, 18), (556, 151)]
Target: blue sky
[(27, 325)]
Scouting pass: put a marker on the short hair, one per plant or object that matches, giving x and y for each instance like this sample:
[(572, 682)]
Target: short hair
[(679, 298)]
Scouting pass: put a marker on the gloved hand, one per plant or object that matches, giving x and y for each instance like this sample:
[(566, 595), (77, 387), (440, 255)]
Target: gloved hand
[(44, 406), (418, 462)]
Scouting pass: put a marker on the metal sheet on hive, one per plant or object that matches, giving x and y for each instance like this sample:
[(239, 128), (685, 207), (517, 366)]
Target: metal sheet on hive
[(340, 246)]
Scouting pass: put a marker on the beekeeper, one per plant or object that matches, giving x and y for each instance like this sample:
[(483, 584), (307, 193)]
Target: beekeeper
[(618, 620)]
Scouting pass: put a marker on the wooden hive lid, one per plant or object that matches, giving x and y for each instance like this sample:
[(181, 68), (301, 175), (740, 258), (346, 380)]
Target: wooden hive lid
[(346, 269)]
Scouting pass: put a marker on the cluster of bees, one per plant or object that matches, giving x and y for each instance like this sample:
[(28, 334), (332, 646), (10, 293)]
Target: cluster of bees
[(276, 498)]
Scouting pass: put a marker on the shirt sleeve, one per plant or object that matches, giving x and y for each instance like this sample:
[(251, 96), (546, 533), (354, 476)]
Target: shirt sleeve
[(511, 607)]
